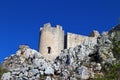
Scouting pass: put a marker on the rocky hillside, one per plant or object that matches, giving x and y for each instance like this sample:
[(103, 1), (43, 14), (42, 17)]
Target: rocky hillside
[(94, 59)]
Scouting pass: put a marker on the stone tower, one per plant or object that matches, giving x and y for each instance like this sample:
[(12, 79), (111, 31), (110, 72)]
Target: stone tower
[(51, 41)]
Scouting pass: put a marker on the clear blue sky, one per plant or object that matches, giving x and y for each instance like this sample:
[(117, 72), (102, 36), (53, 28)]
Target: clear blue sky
[(20, 20)]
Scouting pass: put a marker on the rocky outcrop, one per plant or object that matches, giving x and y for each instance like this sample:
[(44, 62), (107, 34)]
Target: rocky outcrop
[(77, 61), (72, 63), (82, 62), (27, 64)]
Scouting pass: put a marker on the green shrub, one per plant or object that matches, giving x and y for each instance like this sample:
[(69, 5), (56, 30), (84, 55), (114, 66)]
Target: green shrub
[(116, 49), (111, 72), (2, 70)]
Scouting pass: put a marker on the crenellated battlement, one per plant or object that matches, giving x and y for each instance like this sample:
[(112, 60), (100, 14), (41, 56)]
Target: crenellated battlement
[(48, 27), (59, 27)]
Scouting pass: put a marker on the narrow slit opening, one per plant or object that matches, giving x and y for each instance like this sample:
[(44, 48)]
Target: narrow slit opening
[(49, 50)]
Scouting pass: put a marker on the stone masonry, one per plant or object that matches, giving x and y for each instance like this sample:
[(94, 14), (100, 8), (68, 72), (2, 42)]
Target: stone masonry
[(74, 39), (53, 40)]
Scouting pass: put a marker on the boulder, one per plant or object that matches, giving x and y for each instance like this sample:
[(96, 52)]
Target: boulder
[(49, 70), (6, 76), (83, 72)]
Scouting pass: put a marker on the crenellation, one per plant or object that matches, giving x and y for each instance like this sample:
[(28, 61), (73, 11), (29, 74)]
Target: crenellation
[(59, 27), (41, 28), (47, 25)]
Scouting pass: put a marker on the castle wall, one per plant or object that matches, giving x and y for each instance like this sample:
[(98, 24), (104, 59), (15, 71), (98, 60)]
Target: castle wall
[(51, 41), (74, 39)]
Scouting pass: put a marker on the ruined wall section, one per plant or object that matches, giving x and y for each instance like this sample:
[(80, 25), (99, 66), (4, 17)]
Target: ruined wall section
[(51, 41), (74, 40)]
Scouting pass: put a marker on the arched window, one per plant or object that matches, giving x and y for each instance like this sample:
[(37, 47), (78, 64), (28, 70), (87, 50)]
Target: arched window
[(49, 50)]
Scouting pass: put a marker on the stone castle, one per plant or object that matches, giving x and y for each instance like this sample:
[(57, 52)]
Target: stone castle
[(53, 41)]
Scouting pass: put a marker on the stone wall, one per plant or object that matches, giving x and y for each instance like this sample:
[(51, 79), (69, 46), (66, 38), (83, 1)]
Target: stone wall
[(51, 41), (74, 40)]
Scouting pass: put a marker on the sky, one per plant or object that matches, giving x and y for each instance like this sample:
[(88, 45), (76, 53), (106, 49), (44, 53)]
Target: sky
[(20, 20)]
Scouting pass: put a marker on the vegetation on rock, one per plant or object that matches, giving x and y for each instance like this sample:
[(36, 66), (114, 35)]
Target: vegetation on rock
[(2, 71)]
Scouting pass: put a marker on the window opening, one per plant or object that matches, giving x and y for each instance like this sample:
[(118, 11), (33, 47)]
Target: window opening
[(49, 50)]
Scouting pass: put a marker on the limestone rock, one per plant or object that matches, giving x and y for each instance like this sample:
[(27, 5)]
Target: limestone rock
[(49, 70), (27, 64), (84, 72), (6, 76)]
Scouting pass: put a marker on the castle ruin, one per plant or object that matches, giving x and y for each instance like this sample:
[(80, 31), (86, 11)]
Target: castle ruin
[(53, 40)]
